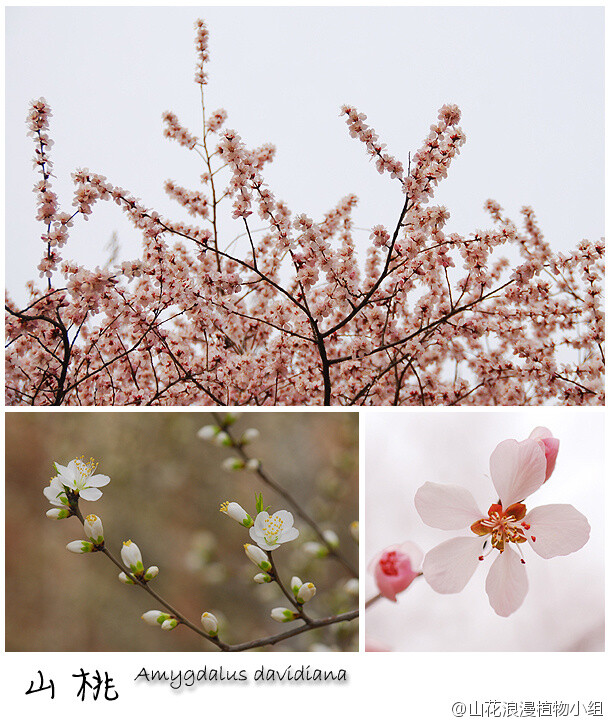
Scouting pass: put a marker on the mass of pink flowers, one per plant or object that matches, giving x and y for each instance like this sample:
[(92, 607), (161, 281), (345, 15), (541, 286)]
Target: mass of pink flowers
[(425, 317)]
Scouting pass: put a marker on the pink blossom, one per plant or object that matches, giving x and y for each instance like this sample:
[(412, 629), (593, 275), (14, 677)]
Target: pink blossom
[(396, 567), (518, 469)]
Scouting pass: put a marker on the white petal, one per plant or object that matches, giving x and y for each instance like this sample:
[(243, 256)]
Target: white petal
[(98, 480), (90, 494), (558, 530), (446, 507), (506, 583), (288, 535), (448, 567), (517, 469), (285, 517), (259, 522)]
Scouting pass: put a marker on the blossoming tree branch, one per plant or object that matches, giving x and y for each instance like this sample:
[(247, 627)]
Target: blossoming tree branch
[(78, 481), (426, 317), (518, 469)]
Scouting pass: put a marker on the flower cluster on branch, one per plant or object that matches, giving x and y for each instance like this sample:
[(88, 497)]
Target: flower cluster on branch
[(427, 317)]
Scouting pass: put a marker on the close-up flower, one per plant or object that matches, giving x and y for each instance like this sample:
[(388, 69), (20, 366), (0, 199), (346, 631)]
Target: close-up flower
[(518, 470), (269, 531), (396, 567), (132, 558), (78, 476)]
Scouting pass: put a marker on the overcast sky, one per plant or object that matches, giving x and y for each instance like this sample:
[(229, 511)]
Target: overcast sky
[(529, 82)]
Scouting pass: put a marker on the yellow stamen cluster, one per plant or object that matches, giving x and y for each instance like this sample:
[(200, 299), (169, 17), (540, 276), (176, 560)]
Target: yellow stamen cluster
[(502, 525), (224, 506)]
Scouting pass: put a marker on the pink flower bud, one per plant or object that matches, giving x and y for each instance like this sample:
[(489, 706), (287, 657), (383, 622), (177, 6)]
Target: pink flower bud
[(396, 567), (551, 448)]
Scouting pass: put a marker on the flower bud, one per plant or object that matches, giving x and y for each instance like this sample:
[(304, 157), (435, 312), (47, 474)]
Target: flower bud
[(233, 464), (283, 615), (169, 624), (354, 529), (253, 464), (94, 529), (295, 584), (262, 578), (306, 592), (125, 579), (237, 513), (132, 558), (352, 586), (231, 418), (210, 623), (314, 549), (249, 435), (151, 573), (331, 539), (223, 439), (551, 448), (80, 547), (396, 568), (208, 432), (154, 616), (57, 514), (257, 556)]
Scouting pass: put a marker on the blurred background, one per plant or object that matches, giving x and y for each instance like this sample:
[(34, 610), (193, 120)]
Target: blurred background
[(165, 490), (564, 608)]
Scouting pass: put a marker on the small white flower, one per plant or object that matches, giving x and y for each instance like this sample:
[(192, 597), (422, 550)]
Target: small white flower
[(125, 579), (249, 435), (58, 514), (80, 547), (94, 529), (169, 624), (269, 531), (306, 592), (210, 623), (283, 615), (314, 549), (222, 439), (295, 584), (233, 464), (237, 513), (331, 538), (253, 464), (257, 556), (155, 617), (208, 432), (262, 578), (79, 477), (151, 573), (352, 586), (132, 558)]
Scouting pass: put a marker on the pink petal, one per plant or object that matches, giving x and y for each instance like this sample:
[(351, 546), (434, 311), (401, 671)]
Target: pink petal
[(506, 583), (446, 507), (396, 567), (448, 567), (551, 448), (556, 530), (517, 469)]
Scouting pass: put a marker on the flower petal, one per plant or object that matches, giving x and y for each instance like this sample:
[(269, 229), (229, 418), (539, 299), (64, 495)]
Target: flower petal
[(448, 567), (556, 530), (285, 517), (517, 469), (90, 494), (288, 535), (446, 507), (506, 584), (97, 481), (259, 522)]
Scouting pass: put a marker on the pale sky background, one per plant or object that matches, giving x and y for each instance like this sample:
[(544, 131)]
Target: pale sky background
[(529, 82), (564, 608)]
